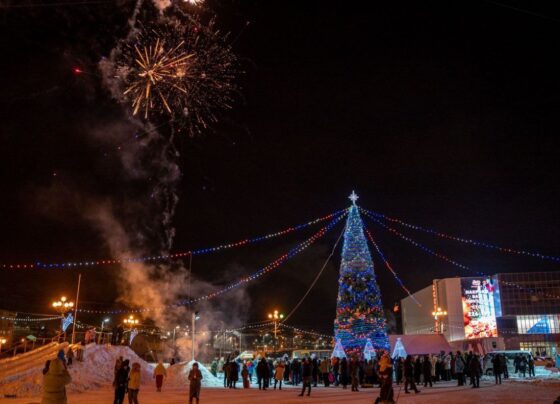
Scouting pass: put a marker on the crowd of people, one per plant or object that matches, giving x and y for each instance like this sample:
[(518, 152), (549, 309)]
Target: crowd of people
[(465, 368), (357, 372)]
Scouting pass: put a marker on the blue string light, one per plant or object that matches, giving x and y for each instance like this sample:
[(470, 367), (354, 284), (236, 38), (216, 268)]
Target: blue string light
[(449, 260), (257, 274), (389, 266), (165, 257), (462, 239)]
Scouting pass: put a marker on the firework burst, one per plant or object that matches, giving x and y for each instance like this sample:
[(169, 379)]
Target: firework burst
[(181, 71)]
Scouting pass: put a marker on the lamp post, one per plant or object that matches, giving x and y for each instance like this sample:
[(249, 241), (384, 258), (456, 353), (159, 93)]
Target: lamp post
[(437, 314), (62, 306), (174, 330), (275, 316), (131, 322), (195, 317), (2, 342), (105, 320)]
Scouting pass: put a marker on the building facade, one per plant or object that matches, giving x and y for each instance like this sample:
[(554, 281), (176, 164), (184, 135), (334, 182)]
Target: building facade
[(505, 311)]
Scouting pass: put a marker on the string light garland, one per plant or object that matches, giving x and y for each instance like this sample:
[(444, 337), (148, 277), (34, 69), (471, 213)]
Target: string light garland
[(29, 319), (255, 275), (317, 334), (156, 258), (389, 267), (461, 239), (451, 261)]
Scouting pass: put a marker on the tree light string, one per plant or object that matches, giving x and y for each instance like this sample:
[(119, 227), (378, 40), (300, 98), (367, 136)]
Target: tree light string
[(451, 261), (155, 258), (461, 239), (255, 275), (389, 266)]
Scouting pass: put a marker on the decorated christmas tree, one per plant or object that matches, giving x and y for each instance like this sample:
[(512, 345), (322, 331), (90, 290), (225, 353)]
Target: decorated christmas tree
[(359, 312)]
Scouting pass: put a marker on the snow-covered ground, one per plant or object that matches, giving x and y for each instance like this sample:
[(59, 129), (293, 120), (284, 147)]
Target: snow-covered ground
[(539, 391), (92, 378)]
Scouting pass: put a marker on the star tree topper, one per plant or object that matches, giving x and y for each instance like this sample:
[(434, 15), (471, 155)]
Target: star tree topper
[(353, 197)]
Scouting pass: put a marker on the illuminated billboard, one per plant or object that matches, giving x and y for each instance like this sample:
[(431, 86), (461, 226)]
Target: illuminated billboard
[(481, 301)]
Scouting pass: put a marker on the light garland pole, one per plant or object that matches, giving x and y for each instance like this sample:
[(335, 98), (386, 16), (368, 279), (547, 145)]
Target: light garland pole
[(76, 309), (275, 316)]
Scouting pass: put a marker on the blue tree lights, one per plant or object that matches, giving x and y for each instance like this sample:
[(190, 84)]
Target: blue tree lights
[(359, 312)]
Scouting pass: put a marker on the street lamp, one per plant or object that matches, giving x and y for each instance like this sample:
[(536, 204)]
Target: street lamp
[(62, 306), (175, 329), (195, 317), (131, 321), (105, 320), (437, 314), (275, 316), (2, 342)]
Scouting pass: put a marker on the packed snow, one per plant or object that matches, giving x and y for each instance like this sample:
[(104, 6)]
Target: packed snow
[(23, 376), (178, 375)]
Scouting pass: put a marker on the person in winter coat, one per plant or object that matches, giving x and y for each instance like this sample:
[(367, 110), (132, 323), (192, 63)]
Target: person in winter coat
[(475, 370), (343, 376), (315, 371), (233, 374), (296, 372), (195, 382), (417, 370), (427, 371), (121, 382), (306, 376), (69, 356), (159, 373), (409, 367), (497, 368), (460, 369), (245, 376), (134, 380), (505, 363), (55, 379), (447, 367), (531, 366), (214, 368), (335, 364), (227, 369), (262, 374), (400, 370), (324, 368), (80, 352), (354, 373), (523, 365), (279, 374)]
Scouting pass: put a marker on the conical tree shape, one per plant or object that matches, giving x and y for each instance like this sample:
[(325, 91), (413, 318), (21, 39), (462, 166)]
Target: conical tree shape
[(359, 311)]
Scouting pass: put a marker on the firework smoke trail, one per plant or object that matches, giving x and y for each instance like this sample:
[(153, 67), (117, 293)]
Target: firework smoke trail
[(146, 227)]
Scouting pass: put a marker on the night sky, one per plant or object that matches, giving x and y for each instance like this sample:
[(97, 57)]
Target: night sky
[(443, 115)]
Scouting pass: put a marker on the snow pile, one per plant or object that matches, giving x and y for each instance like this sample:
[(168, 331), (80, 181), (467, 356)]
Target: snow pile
[(98, 367), (95, 371), (178, 375)]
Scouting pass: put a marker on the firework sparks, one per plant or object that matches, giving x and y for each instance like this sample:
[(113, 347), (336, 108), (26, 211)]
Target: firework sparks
[(181, 71), (160, 70)]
